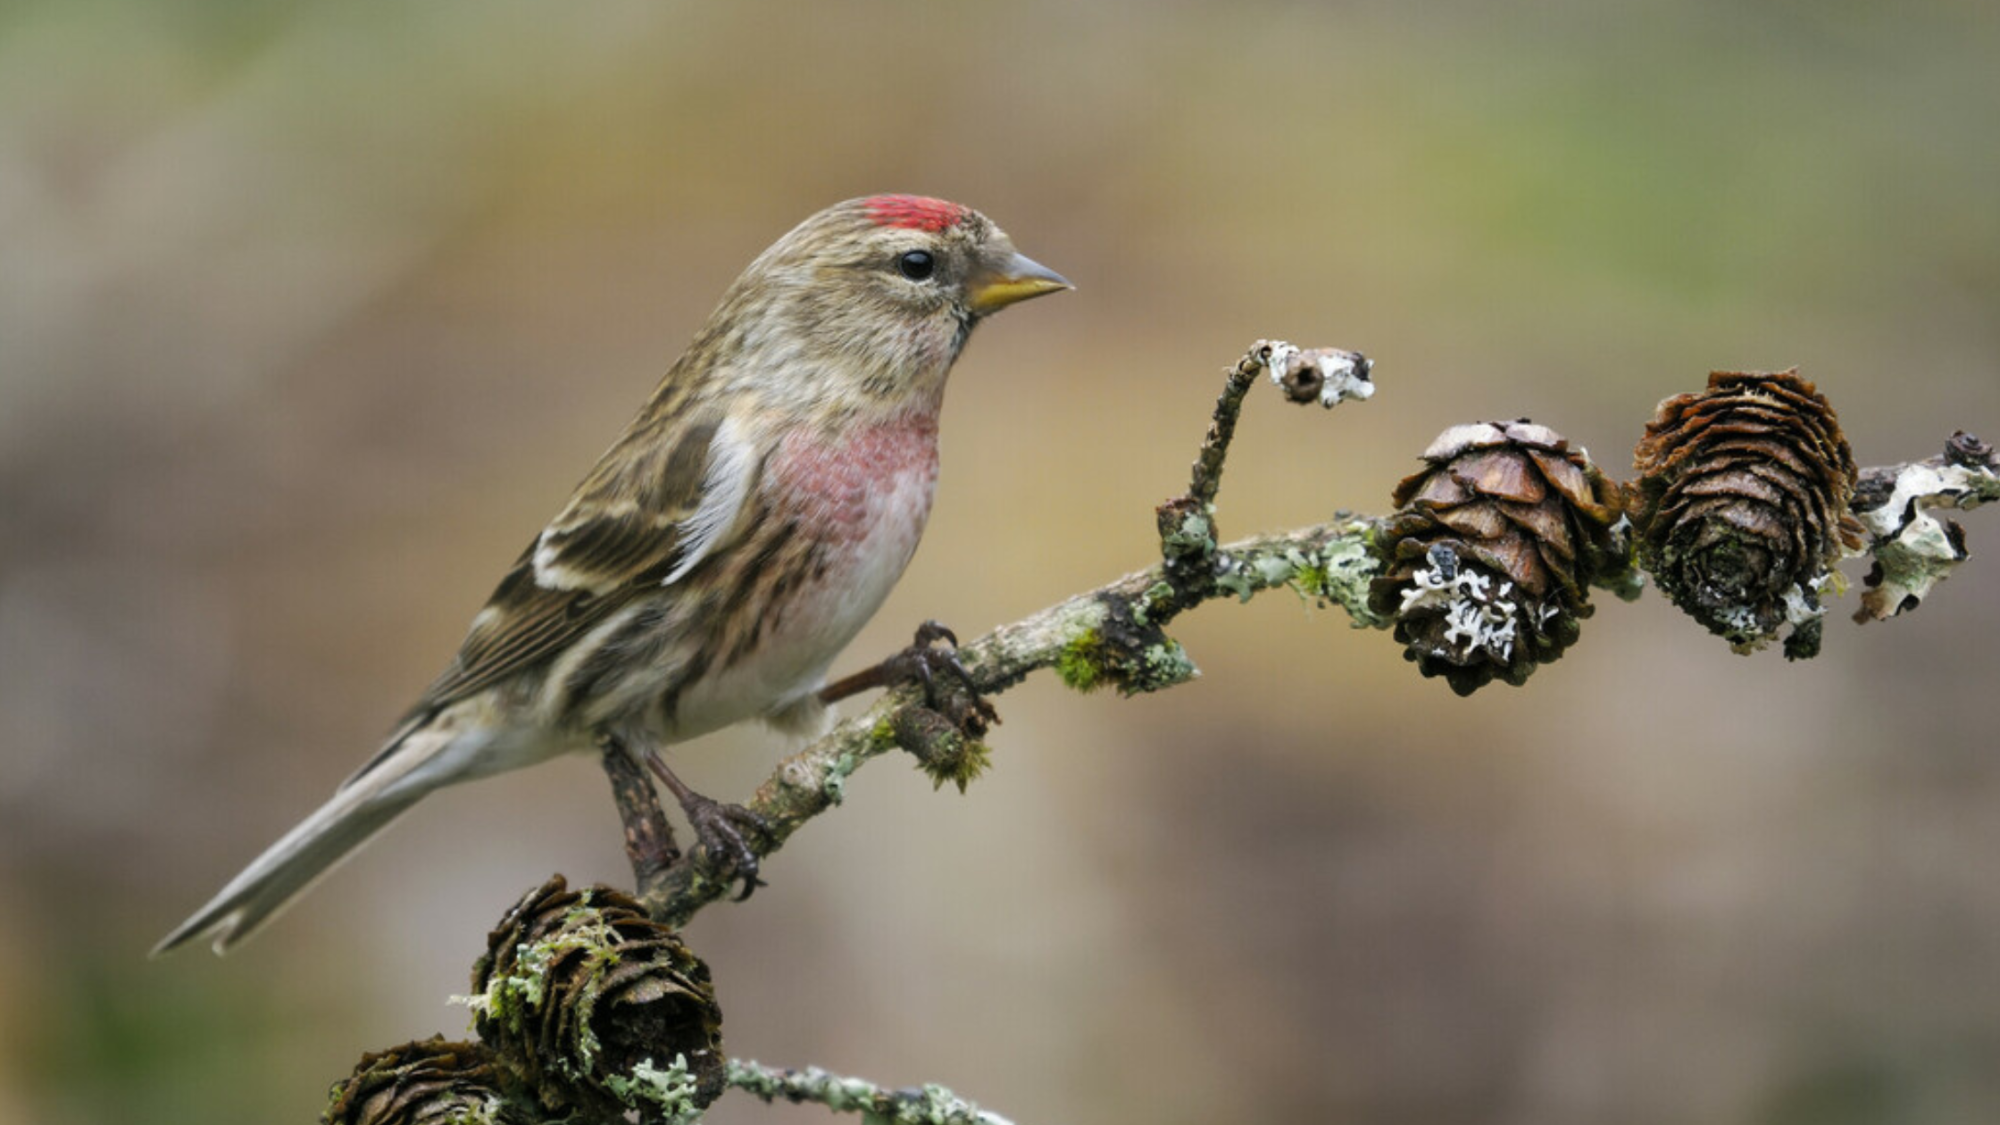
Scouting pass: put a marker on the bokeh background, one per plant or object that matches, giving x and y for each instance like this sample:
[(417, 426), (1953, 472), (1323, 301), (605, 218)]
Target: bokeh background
[(311, 314)]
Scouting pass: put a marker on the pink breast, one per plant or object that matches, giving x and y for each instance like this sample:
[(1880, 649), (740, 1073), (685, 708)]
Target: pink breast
[(869, 484)]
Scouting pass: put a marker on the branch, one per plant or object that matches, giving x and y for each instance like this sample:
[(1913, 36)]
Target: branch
[(1104, 637), (1110, 636), (1913, 550), (929, 1104), (588, 1006)]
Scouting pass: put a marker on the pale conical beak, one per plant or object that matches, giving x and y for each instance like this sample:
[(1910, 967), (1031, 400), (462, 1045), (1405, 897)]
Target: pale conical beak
[(1016, 277)]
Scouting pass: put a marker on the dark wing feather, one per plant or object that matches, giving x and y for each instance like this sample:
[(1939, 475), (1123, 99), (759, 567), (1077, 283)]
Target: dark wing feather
[(523, 624), (623, 532), (606, 549)]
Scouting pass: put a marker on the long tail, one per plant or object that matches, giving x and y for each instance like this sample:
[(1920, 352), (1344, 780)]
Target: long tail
[(405, 770)]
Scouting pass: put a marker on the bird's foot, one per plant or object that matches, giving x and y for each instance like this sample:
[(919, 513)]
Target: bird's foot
[(720, 828), (723, 831), (948, 687)]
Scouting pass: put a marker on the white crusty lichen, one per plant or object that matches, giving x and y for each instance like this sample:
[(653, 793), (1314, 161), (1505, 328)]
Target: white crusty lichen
[(1805, 605), (1342, 374), (1914, 550), (1480, 614), (1280, 358)]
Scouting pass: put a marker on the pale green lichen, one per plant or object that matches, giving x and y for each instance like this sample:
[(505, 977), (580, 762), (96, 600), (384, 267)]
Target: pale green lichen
[(669, 1093), (834, 785), (1156, 598), (929, 1104), (1340, 572), (940, 1106), (1195, 535), (1166, 664), (507, 998), (1276, 570), (513, 997), (1238, 582)]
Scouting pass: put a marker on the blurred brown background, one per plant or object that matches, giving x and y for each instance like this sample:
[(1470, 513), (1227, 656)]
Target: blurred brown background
[(311, 314)]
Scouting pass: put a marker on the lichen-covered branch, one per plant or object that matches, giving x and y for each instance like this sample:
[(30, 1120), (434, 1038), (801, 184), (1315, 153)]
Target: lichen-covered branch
[(1107, 637), (590, 1009), (1328, 376), (1111, 636), (928, 1104), (1913, 550)]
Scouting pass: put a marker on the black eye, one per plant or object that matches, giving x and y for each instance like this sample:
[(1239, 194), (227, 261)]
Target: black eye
[(916, 265)]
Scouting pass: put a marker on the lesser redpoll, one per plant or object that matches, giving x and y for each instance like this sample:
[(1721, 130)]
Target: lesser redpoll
[(724, 550)]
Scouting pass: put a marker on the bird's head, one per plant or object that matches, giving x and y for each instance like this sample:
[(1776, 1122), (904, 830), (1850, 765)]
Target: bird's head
[(879, 294)]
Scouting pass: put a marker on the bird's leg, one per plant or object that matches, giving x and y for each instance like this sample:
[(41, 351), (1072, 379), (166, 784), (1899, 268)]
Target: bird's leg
[(719, 828), (921, 663), (649, 837)]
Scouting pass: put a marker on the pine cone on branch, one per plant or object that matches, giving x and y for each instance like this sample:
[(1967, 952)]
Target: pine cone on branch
[(601, 1009), (1741, 507), (1492, 551), (432, 1082)]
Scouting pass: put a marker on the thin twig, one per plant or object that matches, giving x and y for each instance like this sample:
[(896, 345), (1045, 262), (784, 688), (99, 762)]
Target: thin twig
[(1207, 477), (1186, 523), (1328, 376)]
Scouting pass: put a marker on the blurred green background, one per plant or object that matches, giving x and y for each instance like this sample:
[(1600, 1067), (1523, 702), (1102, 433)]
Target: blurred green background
[(311, 314)]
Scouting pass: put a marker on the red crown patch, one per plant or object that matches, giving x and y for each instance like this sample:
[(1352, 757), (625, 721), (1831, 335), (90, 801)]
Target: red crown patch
[(914, 212)]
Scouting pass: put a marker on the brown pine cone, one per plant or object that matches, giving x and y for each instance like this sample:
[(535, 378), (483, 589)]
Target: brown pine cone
[(432, 1082), (1492, 551), (1741, 507), (600, 1008)]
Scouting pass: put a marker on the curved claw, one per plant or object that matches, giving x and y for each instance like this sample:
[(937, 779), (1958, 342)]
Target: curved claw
[(966, 709), (969, 711), (931, 632), (721, 829)]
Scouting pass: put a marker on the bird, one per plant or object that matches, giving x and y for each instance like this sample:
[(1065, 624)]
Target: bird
[(721, 553)]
